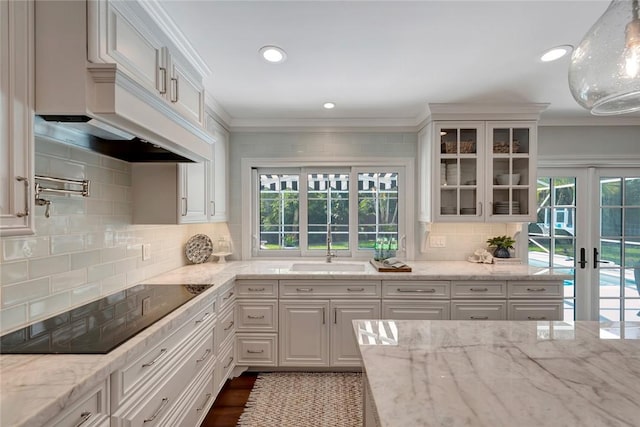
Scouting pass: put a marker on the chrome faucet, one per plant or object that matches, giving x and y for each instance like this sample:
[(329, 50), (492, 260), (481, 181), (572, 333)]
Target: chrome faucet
[(329, 253)]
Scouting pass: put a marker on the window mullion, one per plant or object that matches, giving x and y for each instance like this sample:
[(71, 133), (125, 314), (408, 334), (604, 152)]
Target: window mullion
[(303, 208)]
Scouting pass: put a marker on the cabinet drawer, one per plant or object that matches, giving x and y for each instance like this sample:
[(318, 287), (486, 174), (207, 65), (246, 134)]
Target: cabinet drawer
[(226, 326), (415, 289), (257, 315), (330, 288), (155, 404), (257, 349), (226, 296), (535, 289), (257, 288), (225, 364), (478, 289), (195, 404), (535, 310), (415, 310), (478, 310), (91, 410), (138, 373)]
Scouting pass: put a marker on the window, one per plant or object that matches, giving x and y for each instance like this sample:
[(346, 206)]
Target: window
[(298, 207)]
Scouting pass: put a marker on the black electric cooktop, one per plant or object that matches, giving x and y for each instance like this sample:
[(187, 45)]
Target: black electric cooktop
[(100, 326)]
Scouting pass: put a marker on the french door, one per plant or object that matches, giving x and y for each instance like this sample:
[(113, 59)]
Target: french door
[(588, 225)]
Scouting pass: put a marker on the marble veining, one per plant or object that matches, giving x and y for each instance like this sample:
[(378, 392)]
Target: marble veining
[(502, 373), (51, 382)]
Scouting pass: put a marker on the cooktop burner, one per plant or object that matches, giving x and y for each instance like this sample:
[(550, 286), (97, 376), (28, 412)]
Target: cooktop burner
[(100, 326)]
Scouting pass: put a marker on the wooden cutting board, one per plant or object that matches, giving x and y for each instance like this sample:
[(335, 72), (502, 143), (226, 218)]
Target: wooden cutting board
[(381, 268)]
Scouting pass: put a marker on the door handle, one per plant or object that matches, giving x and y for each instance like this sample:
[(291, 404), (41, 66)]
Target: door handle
[(583, 260)]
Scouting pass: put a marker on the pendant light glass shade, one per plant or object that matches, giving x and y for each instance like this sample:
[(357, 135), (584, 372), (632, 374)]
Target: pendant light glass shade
[(604, 75)]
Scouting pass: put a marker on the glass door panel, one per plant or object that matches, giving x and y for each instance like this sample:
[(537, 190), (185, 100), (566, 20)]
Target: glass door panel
[(459, 170), (552, 238), (618, 249)]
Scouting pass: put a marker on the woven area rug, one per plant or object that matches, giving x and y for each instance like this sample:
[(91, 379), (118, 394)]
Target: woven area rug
[(304, 399)]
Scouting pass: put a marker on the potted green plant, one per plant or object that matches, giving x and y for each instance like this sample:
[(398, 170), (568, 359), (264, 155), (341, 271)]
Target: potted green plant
[(502, 244)]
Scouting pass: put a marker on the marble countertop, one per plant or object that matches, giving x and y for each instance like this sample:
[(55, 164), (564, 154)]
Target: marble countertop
[(502, 373), (421, 270), (50, 382)]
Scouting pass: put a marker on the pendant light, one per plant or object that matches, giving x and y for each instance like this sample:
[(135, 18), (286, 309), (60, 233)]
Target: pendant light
[(604, 75)]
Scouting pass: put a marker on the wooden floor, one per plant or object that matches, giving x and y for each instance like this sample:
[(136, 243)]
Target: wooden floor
[(230, 401)]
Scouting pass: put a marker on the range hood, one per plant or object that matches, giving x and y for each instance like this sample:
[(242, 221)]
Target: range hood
[(78, 99), (92, 134)]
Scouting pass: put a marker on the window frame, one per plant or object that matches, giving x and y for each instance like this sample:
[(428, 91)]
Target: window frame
[(251, 199)]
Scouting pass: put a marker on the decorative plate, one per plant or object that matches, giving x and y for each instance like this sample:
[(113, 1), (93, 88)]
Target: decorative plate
[(199, 248)]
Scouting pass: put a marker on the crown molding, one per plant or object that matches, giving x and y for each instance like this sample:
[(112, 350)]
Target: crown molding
[(323, 125), (177, 37)]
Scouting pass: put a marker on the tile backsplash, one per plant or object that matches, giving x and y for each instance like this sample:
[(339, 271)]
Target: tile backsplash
[(88, 247)]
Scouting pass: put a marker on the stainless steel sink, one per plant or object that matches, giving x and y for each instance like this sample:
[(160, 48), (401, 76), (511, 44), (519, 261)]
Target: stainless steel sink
[(333, 266)]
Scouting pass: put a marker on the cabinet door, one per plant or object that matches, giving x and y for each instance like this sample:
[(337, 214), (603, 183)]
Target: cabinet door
[(194, 199), (218, 181), (511, 171), (186, 92), (117, 33), (304, 333), (459, 177), (16, 117), (344, 348)]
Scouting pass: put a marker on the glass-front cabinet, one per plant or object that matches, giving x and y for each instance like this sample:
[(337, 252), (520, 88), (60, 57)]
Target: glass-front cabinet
[(511, 171), (484, 171), (458, 175)]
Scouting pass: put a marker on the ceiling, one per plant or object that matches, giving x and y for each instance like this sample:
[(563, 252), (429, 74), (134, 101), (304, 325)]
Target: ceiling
[(382, 62)]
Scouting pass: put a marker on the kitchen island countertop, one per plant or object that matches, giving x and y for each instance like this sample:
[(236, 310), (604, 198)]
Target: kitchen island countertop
[(500, 373)]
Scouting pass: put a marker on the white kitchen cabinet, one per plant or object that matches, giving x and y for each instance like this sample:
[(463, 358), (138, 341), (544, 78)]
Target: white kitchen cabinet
[(535, 310), (169, 193), (124, 33), (478, 310), (257, 349), (478, 170), (16, 117), (343, 344), (416, 299), (304, 333), (219, 171), (186, 91)]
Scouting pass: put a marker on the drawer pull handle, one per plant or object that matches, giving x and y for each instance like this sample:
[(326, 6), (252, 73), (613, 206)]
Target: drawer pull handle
[(536, 289), (204, 356), (229, 327), (537, 318), (205, 317), (479, 317), (355, 289), (228, 296), (155, 414), (257, 289), (304, 289), (153, 362), (228, 364), (427, 291), (256, 317), (84, 418), (255, 352), (478, 289), (204, 404)]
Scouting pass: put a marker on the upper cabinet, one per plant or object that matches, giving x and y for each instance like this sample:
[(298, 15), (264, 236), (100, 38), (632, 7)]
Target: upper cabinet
[(479, 170), (219, 172), (124, 64), (16, 117)]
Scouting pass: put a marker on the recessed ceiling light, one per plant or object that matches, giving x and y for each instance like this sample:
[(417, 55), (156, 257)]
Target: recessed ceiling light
[(555, 53), (329, 105), (273, 54)]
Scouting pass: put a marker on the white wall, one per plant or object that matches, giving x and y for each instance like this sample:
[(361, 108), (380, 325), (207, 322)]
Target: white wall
[(88, 247)]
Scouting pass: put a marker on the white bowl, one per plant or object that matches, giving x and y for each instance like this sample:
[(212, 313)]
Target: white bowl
[(506, 179)]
